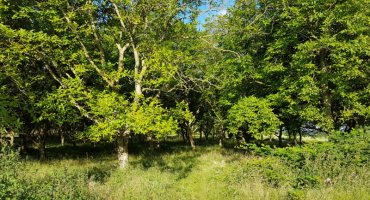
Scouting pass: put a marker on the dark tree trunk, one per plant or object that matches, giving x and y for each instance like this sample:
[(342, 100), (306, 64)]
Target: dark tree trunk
[(206, 134), (247, 137), (281, 136), (240, 137), (24, 143), (40, 142)]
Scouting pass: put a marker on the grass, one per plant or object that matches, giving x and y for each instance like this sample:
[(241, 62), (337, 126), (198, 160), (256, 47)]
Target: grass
[(209, 172)]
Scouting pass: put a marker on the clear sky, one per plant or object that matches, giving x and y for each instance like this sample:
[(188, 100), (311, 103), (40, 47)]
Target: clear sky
[(211, 11)]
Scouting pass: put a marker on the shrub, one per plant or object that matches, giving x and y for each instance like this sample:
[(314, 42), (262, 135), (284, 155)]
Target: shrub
[(10, 185), (295, 194), (59, 185)]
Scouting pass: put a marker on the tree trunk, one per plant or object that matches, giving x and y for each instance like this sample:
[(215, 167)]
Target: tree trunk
[(295, 138), (62, 138), (139, 73), (191, 139), (281, 136), (24, 143), (190, 135), (247, 137), (222, 136), (206, 134), (41, 148), (240, 137), (220, 142), (11, 135), (300, 136), (183, 137), (122, 149), (40, 143), (326, 94)]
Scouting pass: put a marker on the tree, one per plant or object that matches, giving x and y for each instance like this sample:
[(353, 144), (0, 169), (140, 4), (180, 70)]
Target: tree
[(108, 58), (309, 58), (252, 117)]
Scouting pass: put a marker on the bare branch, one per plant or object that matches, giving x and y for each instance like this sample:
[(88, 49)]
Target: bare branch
[(121, 59), (221, 49)]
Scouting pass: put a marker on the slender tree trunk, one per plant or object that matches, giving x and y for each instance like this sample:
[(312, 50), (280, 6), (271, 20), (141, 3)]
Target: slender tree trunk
[(281, 136), (206, 134), (190, 134), (295, 138), (24, 143), (41, 148), (122, 149), (183, 136), (62, 138), (139, 73), (222, 136), (300, 136), (220, 142)]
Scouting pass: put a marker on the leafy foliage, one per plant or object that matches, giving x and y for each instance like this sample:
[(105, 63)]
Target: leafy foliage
[(254, 115)]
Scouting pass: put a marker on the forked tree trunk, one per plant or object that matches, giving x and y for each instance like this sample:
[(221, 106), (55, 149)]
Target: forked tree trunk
[(122, 149)]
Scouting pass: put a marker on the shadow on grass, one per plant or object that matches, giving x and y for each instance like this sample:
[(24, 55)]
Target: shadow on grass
[(173, 155)]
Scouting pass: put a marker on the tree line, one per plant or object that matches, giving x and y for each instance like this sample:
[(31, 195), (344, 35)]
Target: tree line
[(113, 70)]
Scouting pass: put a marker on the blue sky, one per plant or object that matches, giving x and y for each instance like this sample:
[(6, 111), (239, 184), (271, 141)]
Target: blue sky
[(214, 11)]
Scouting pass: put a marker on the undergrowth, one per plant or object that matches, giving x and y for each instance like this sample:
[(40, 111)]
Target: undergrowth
[(338, 169)]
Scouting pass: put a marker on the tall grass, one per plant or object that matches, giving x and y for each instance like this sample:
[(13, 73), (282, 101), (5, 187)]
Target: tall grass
[(315, 171)]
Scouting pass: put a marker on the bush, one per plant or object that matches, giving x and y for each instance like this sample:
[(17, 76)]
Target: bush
[(311, 164), (295, 194), (11, 187), (60, 185)]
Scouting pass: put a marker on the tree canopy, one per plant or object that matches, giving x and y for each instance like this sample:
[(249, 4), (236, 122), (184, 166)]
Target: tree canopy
[(115, 70)]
